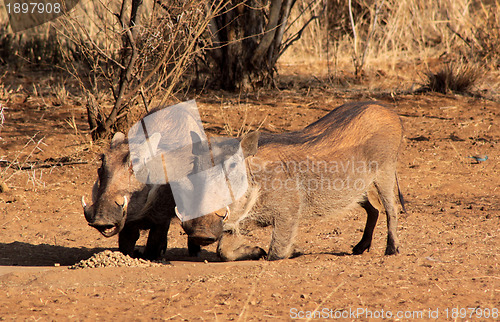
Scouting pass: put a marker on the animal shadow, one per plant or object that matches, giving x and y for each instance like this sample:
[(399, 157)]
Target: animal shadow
[(25, 254)]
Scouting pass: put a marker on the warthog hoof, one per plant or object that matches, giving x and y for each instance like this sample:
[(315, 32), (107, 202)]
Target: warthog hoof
[(193, 249), (259, 253), (137, 254), (360, 248), (391, 250)]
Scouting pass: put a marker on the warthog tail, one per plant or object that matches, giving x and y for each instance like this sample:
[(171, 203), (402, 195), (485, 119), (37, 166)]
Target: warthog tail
[(401, 199)]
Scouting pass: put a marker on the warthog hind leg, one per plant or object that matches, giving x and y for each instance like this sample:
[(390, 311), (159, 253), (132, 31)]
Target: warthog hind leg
[(386, 189), (371, 221)]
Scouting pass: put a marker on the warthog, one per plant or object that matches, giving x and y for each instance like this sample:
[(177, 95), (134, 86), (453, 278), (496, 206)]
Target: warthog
[(124, 205), (344, 159)]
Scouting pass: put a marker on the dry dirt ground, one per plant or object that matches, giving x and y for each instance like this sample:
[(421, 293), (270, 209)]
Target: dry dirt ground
[(449, 262)]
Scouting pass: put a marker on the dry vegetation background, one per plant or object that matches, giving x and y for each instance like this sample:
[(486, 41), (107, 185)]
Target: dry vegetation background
[(436, 62), (386, 35)]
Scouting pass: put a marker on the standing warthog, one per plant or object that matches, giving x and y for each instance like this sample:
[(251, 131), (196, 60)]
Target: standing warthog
[(344, 159), (122, 204)]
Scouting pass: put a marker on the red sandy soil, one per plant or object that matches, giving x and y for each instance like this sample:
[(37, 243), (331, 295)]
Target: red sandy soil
[(449, 254)]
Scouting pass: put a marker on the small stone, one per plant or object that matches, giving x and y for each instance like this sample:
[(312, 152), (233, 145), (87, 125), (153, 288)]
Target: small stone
[(3, 187)]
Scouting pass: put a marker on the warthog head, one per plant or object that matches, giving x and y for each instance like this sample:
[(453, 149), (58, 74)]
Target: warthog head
[(208, 229), (116, 192)]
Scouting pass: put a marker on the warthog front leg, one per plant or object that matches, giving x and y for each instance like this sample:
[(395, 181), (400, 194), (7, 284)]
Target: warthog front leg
[(193, 249), (230, 249), (282, 241), (157, 241), (127, 238)]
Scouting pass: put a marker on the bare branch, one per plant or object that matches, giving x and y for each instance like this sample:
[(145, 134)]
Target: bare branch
[(287, 7), (267, 39), (372, 31), (298, 34), (351, 17), (127, 74)]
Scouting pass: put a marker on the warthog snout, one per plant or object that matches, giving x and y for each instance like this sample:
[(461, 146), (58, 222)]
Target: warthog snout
[(107, 225), (107, 230), (207, 229)]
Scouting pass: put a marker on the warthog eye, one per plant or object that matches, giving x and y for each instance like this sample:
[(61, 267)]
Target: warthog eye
[(126, 158), (100, 170)]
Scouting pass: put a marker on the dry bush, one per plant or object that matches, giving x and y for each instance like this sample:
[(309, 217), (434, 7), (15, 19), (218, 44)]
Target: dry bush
[(138, 61), (483, 41), (458, 77)]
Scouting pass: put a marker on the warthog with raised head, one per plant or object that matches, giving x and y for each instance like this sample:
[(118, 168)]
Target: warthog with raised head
[(344, 159), (124, 205)]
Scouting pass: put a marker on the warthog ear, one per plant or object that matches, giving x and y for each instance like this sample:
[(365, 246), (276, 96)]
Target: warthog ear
[(118, 138), (199, 147), (250, 143)]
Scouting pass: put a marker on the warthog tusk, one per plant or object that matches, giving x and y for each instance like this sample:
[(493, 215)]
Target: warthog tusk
[(84, 205), (224, 218), (226, 215), (125, 203)]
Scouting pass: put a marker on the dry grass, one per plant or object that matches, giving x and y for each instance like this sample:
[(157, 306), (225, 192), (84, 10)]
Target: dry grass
[(452, 77), (405, 30), (22, 160), (246, 123)]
